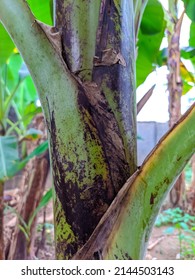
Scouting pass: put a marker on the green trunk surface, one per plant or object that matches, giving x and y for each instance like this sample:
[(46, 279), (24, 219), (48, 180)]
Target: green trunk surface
[(99, 52), (86, 84), (124, 230)]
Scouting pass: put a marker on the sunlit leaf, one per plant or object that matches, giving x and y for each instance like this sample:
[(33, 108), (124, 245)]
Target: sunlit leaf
[(188, 78), (186, 75), (44, 201), (190, 8), (25, 95), (152, 21), (42, 10), (30, 111), (188, 52), (6, 45), (149, 39), (192, 35), (13, 66), (186, 87)]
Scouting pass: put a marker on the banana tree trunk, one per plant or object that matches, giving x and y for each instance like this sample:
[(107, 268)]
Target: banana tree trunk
[(124, 230), (98, 48), (85, 74), (84, 70)]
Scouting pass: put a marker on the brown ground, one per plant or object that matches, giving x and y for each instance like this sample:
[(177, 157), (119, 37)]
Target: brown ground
[(163, 246)]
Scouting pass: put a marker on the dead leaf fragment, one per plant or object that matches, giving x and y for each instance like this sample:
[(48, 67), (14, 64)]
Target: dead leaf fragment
[(109, 57)]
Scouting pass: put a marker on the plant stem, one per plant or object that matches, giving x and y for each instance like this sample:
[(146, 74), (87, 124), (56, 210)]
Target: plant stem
[(124, 230)]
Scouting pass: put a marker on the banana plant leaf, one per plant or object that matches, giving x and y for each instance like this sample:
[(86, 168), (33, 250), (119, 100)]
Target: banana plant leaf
[(192, 35), (6, 45), (190, 8), (8, 155), (150, 37), (131, 215), (42, 10), (10, 163)]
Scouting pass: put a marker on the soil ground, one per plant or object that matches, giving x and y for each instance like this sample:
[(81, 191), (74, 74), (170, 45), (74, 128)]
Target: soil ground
[(164, 246), (161, 246)]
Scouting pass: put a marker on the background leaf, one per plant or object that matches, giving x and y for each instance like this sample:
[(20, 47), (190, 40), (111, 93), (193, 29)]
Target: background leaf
[(190, 8), (25, 95), (188, 52), (8, 155), (14, 63), (44, 201), (10, 164), (192, 35), (6, 45), (42, 10), (149, 39), (19, 165)]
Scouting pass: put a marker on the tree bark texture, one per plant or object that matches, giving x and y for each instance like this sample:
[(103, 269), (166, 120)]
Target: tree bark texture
[(98, 47), (175, 92), (123, 232), (174, 78), (87, 110)]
